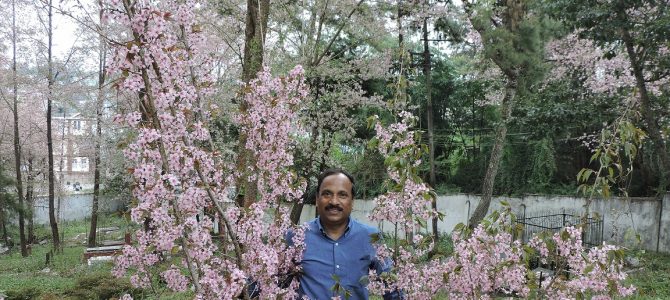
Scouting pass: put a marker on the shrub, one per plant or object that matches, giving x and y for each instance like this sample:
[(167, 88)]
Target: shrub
[(26, 293), (101, 286)]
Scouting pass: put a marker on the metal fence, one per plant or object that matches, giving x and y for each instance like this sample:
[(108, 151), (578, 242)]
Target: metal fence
[(592, 228)]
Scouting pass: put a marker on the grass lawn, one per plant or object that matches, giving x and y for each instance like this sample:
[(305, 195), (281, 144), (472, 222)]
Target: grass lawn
[(653, 278)]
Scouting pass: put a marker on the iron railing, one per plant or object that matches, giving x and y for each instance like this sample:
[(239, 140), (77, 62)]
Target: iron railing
[(592, 228)]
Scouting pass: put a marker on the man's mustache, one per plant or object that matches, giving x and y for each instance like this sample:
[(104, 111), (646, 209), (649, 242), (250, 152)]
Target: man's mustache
[(332, 206)]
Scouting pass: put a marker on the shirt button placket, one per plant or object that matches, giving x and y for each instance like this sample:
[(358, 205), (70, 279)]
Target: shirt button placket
[(337, 265)]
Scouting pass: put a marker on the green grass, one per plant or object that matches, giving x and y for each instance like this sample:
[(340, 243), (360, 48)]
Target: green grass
[(58, 277), (653, 278), (62, 275)]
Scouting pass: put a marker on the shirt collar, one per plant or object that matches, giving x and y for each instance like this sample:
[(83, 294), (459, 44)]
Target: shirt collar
[(346, 231)]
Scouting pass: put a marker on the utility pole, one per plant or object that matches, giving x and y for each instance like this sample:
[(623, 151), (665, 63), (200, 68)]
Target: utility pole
[(429, 118), (428, 88)]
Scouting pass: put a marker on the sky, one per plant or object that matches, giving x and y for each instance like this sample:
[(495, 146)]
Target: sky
[(27, 18)]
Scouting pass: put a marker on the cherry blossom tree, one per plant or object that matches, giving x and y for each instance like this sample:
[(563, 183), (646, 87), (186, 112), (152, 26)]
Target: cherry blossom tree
[(338, 43), (179, 175), (489, 260), (630, 53)]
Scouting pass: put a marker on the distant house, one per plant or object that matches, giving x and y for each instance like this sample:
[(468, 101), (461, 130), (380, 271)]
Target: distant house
[(73, 151)]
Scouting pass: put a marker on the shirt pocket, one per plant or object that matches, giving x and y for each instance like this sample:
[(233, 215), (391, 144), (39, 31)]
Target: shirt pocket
[(362, 268)]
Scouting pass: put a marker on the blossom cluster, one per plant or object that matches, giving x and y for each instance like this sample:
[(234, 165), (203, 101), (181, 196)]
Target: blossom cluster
[(601, 74), (490, 261), (406, 206), (273, 105), (487, 261), (182, 187)]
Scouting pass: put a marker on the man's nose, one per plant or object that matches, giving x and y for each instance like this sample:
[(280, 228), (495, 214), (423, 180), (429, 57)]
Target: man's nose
[(334, 200)]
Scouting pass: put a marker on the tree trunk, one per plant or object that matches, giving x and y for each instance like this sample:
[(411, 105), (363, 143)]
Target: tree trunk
[(496, 154), (648, 114), (50, 82), (254, 40), (429, 118), (3, 221), (512, 15), (30, 200), (296, 209), (17, 144), (98, 137)]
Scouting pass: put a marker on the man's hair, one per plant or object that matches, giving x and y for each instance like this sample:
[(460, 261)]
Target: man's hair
[(328, 172)]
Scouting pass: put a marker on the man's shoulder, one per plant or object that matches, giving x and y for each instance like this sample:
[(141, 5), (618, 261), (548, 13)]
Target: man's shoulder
[(360, 226), (311, 224)]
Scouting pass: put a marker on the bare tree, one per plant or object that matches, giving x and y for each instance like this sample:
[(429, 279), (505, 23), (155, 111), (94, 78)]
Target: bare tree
[(98, 135), (320, 140), (17, 145), (50, 83)]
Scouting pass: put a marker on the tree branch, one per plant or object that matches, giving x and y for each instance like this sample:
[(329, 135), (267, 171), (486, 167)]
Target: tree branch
[(332, 40)]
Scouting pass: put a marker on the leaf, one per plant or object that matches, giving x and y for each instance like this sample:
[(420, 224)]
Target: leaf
[(594, 156), (588, 269), (375, 237), (565, 235), (422, 222), (372, 121), (335, 277)]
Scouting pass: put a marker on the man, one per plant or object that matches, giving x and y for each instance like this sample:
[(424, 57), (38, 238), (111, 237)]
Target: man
[(339, 253)]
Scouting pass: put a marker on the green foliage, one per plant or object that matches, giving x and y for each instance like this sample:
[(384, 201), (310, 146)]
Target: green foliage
[(8, 203), (515, 43), (24, 293), (618, 147), (543, 164), (368, 169), (101, 286)]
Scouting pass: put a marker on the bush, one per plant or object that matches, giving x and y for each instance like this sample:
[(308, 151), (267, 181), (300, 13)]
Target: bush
[(102, 286), (26, 293)]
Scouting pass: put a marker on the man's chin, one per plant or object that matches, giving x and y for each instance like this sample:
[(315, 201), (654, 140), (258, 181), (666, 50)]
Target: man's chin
[(334, 218)]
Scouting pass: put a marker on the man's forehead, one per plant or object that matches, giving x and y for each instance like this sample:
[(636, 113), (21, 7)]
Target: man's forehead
[(337, 178)]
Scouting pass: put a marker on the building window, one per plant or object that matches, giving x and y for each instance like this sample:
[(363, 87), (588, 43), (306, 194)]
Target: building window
[(80, 164), (76, 125)]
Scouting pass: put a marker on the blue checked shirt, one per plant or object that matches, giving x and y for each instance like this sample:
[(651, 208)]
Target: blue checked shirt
[(348, 259)]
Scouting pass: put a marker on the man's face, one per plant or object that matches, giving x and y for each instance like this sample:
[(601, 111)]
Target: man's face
[(334, 201)]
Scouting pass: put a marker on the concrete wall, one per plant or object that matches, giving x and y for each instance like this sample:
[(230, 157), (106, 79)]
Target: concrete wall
[(74, 207), (623, 218)]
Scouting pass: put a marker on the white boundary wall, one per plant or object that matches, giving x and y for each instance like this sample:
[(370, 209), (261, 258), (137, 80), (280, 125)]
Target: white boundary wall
[(622, 217), (74, 207)]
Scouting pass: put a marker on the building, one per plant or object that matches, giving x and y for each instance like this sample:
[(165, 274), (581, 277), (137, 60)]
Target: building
[(73, 151)]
